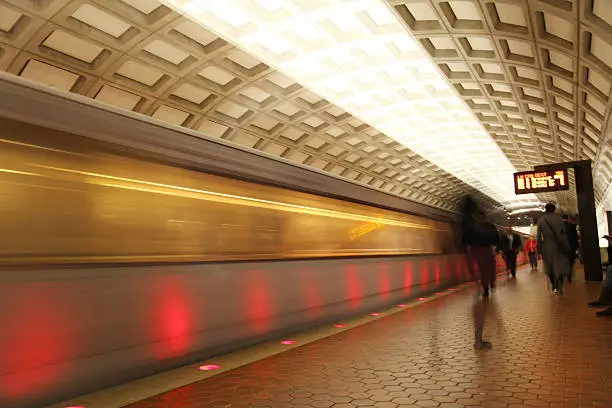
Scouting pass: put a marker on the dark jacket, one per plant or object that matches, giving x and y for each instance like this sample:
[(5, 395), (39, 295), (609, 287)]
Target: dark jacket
[(572, 236), (481, 233), (505, 246)]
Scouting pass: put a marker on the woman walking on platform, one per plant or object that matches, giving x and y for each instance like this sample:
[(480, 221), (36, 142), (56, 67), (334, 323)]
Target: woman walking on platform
[(531, 249)]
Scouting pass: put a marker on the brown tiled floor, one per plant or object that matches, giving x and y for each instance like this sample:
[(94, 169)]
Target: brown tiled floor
[(547, 352)]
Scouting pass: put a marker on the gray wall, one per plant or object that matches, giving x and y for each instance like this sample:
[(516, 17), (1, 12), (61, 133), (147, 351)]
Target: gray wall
[(66, 332)]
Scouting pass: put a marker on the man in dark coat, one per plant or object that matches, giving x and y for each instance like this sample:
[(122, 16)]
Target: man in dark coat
[(510, 246)]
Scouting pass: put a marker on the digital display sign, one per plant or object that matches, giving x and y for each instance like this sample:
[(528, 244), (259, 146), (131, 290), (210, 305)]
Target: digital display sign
[(540, 181)]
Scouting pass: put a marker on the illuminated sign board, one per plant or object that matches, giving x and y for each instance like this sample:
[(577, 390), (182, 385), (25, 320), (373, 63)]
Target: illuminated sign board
[(540, 181)]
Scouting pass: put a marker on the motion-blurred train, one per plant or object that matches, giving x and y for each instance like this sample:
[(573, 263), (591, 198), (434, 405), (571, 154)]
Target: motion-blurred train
[(129, 247), (70, 200)]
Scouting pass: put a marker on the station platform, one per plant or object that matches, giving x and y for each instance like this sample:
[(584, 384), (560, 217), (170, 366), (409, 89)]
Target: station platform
[(548, 351)]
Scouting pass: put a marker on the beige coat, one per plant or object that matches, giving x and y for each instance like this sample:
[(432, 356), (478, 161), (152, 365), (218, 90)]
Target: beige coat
[(555, 261)]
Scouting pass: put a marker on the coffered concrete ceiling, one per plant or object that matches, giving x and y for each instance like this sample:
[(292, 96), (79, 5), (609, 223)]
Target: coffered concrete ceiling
[(535, 74)]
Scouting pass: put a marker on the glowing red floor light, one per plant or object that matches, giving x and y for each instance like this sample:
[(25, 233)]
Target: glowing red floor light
[(422, 298), (75, 406), (209, 367), (438, 293), (288, 342), (339, 326), (402, 305), (374, 314)]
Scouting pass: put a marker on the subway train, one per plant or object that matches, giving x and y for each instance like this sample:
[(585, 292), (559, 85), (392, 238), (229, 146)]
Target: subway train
[(65, 201), (130, 247)]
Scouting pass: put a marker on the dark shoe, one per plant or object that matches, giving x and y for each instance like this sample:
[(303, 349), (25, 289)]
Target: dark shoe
[(485, 293), (605, 312), (597, 304), (483, 345)]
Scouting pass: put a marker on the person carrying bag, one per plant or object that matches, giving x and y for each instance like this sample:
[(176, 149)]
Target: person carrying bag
[(554, 248)]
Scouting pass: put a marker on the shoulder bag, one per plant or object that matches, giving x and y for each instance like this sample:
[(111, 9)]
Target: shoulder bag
[(562, 242)]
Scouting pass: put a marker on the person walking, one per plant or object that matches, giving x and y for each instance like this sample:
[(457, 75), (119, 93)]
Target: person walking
[(531, 249), (482, 238), (510, 247), (554, 247)]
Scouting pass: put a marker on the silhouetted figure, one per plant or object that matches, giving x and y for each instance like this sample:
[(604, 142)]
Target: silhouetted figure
[(510, 246), (478, 239), (574, 243), (554, 248)]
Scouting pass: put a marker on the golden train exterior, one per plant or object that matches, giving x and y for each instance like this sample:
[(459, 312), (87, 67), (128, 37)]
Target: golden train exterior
[(85, 202)]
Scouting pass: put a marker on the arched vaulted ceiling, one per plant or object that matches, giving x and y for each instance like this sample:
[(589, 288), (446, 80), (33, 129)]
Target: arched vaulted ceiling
[(534, 74)]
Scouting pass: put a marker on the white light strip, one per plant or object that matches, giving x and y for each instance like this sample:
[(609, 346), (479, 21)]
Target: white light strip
[(526, 210), (521, 205), (357, 55)]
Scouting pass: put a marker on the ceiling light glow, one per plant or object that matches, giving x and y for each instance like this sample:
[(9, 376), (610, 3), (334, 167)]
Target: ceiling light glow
[(527, 210), (357, 55)]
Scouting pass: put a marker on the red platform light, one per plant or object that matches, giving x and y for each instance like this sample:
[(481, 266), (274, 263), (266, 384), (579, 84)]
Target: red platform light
[(209, 367), (75, 406), (288, 342), (374, 314), (422, 298), (339, 326), (438, 293), (402, 305)]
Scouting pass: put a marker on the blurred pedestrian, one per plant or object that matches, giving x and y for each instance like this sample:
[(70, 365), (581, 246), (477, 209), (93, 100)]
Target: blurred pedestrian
[(510, 247), (482, 238), (478, 314)]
